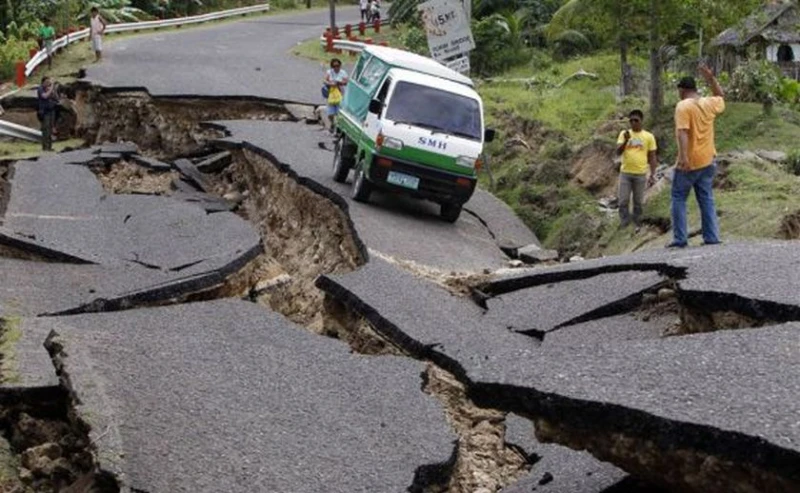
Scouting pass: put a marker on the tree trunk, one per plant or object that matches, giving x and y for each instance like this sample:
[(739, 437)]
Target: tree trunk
[(626, 76), (656, 85)]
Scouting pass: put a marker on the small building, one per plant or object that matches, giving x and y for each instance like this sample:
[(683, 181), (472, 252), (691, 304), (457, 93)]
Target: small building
[(772, 33)]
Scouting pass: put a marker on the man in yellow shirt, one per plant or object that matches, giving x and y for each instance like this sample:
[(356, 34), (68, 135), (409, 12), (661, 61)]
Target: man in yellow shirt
[(638, 150), (694, 130)]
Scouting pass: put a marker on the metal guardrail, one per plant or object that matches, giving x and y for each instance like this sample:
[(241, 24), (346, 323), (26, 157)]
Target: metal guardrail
[(64, 41), (346, 45), (20, 132)]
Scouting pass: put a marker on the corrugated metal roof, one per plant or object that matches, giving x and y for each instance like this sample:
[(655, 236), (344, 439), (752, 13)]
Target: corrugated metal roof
[(754, 25)]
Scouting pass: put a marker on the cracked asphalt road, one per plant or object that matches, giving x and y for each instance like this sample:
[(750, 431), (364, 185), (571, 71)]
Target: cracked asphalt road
[(244, 58)]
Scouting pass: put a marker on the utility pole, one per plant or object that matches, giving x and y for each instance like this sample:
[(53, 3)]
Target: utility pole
[(333, 15)]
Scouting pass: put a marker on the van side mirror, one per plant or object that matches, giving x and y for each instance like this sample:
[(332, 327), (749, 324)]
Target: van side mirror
[(489, 134), (375, 107)]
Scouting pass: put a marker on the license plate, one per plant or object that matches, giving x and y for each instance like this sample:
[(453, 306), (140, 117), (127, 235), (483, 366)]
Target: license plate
[(403, 180)]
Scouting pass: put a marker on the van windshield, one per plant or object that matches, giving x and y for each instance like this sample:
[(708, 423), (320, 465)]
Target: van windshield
[(436, 110)]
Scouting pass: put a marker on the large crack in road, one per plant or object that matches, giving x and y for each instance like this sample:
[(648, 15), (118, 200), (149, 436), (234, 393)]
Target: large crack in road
[(586, 352), (305, 231)]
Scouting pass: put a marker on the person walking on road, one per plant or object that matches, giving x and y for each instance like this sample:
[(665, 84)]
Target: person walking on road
[(696, 167), (97, 28), (46, 37), (335, 79), (47, 99), (638, 150), (363, 5)]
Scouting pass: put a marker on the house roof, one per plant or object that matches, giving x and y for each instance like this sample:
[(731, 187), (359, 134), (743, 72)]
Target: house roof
[(760, 23)]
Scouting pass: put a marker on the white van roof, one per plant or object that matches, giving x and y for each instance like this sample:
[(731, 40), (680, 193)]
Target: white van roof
[(417, 63), (401, 74)]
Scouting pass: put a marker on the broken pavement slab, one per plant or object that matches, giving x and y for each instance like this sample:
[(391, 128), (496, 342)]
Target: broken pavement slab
[(302, 112), (154, 231), (542, 309), (192, 175), (534, 254), (215, 163), (426, 321), (717, 411), (259, 394)]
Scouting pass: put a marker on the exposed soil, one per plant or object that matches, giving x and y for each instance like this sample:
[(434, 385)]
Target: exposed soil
[(595, 170), (126, 178), (164, 127), (485, 462)]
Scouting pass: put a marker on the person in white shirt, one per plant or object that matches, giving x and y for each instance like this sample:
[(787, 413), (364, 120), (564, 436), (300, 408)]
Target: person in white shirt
[(364, 6), (97, 28), (335, 77)]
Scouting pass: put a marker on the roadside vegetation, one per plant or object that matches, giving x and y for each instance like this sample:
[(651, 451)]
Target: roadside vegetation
[(558, 79)]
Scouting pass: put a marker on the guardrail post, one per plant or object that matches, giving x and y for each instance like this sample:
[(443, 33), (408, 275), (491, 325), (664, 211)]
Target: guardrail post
[(377, 26), (362, 28), (348, 30), (368, 41), (20, 79), (384, 43), (328, 42)]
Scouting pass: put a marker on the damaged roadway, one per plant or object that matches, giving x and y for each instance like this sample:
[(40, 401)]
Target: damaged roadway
[(396, 226), (711, 412), (723, 398), (200, 404)]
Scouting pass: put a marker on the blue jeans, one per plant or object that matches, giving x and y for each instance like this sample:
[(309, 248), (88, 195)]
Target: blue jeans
[(702, 180)]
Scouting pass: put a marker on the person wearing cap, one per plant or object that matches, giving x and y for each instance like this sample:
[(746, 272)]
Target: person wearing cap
[(696, 166), (638, 149)]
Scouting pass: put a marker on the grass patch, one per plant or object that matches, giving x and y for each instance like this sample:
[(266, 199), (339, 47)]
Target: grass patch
[(18, 150), (313, 50), (11, 334)]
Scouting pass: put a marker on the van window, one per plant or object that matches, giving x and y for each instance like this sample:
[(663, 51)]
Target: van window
[(435, 109), (373, 73), (362, 60), (384, 90)]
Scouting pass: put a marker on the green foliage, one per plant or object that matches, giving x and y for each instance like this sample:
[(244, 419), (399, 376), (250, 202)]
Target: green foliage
[(793, 162), (757, 81), (498, 45), (12, 51), (570, 43), (413, 39), (789, 91)]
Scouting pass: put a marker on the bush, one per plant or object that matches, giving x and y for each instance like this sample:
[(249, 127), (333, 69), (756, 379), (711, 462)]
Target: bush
[(13, 50), (414, 39), (793, 162), (757, 81), (498, 46)]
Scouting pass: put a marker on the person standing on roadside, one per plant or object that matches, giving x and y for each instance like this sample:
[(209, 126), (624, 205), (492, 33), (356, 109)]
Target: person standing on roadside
[(363, 5), (638, 150), (46, 37), (696, 167), (335, 79), (47, 99), (97, 28)]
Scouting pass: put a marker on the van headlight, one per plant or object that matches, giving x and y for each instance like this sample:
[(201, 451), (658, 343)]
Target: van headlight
[(392, 143), (466, 161)]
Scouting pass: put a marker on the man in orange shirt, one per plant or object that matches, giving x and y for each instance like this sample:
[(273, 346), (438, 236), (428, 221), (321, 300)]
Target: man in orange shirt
[(694, 130)]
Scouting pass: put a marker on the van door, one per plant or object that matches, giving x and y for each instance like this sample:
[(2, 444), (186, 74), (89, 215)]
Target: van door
[(372, 124)]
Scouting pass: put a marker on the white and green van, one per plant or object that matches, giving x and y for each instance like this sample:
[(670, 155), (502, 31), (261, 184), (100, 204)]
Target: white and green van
[(408, 124)]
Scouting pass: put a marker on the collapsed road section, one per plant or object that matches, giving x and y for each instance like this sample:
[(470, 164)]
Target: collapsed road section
[(131, 263), (702, 412)]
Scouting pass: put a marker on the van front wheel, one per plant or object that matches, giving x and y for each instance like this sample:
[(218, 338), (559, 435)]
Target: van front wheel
[(450, 212), (362, 188), (343, 158)]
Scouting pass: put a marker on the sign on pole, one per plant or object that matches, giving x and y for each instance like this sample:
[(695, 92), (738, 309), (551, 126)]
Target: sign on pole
[(448, 29), (460, 64)]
